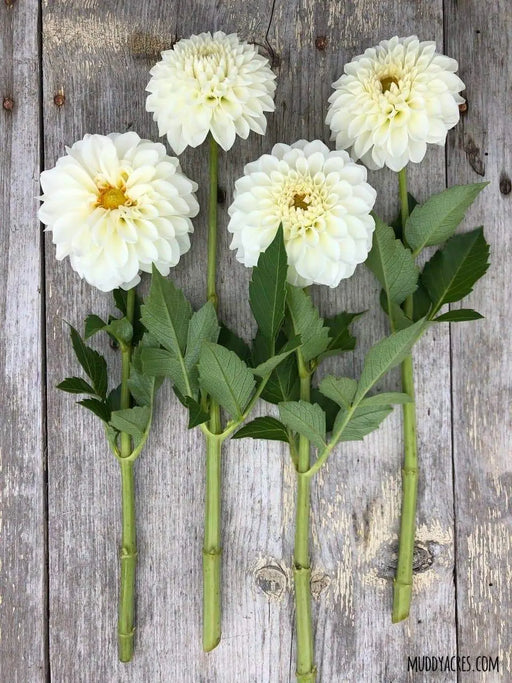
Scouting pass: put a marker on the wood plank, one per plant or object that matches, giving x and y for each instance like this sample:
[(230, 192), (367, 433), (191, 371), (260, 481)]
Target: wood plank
[(22, 494), (357, 496), (482, 367)]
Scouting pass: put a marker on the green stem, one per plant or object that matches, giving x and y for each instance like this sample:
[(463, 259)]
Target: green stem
[(402, 588), (306, 670), (211, 286), (212, 551), (128, 553)]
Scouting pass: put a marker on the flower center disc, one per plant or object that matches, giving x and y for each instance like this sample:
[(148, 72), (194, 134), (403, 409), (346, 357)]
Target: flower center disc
[(299, 203), (387, 82), (112, 198)]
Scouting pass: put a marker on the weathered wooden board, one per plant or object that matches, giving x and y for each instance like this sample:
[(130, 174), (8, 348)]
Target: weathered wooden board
[(481, 353), (22, 491)]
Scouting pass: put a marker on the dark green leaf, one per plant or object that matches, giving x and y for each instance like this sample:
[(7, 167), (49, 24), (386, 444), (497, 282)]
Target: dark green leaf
[(421, 303), (113, 400), (340, 337), (76, 385), (263, 428), (99, 408), (339, 389), (234, 343), (92, 362), (305, 418), (392, 264), (166, 314), (400, 320), (460, 315), (267, 289), (453, 270), (387, 354), (93, 324), (397, 223), (284, 382), (307, 323), (330, 408), (132, 421), (437, 219), (196, 415), (226, 378), (265, 368)]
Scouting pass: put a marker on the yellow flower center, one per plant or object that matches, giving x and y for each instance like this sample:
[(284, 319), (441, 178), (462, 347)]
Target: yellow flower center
[(387, 82), (112, 198)]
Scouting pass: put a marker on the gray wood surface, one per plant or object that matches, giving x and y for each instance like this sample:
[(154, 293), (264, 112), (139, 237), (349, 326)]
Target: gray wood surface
[(22, 490), (482, 365), (95, 63)]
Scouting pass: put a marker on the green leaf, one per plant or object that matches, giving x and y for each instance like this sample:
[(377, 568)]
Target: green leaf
[(166, 314), (113, 400), (339, 389), (330, 408), (284, 382), (305, 418), (76, 385), (265, 368), (132, 421), (196, 415), (385, 398), (392, 263), (92, 362), (93, 324), (267, 289), (162, 363), (121, 329), (340, 337), (226, 378), (421, 303), (203, 327), (99, 408), (437, 219), (234, 343), (396, 224), (268, 428), (307, 323), (400, 320), (460, 315), (364, 420), (387, 354), (453, 270)]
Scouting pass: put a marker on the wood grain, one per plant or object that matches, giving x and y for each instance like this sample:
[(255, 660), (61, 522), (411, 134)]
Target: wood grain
[(22, 493), (96, 59), (482, 366)]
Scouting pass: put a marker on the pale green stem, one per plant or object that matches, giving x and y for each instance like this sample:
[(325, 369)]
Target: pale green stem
[(306, 671), (212, 550), (402, 588), (128, 553)]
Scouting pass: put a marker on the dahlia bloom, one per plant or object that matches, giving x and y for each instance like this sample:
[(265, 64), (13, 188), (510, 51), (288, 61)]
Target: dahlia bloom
[(214, 84), (322, 200), (116, 204), (393, 100)]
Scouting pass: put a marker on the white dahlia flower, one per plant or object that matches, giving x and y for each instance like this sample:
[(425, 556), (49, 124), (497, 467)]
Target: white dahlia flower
[(393, 100), (322, 200), (116, 204), (214, 84)]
